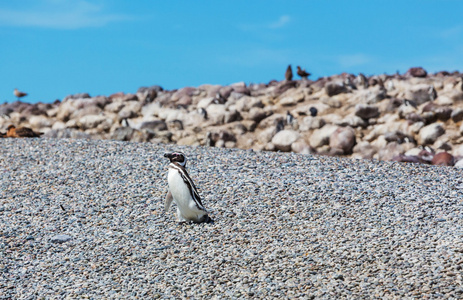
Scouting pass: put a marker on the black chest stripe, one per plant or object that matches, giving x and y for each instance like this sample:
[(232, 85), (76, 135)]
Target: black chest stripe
[(189, 183)]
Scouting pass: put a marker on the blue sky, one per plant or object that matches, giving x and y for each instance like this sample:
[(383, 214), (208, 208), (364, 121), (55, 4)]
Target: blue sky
[(53, 48)]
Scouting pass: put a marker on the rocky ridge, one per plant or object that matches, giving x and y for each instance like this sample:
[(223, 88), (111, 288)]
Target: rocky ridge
[(411, 117)]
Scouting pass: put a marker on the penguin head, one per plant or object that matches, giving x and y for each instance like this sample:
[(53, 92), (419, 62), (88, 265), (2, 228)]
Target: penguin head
[(177, 157)]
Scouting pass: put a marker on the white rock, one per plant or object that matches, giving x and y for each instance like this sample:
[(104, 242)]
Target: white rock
[(284, 139), (321, 137), (429, 134)]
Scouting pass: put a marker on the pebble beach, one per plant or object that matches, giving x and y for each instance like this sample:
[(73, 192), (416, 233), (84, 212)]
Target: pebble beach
[(84, 219)]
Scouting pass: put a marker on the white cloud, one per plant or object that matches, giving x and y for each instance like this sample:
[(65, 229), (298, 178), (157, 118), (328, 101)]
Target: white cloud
[(282, 21), (60, 14)]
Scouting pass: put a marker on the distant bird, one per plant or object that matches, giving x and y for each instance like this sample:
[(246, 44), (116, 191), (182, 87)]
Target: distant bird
[(19, 94), (313, 111), (21, 132), (289, 73), (280, 125), (183, 191), (302, 73)]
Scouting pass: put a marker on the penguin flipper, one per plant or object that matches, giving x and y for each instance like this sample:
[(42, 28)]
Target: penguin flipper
[(168, 202)]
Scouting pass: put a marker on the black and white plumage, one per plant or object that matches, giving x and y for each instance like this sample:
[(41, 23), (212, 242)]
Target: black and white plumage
[(183, 191), (289, 118)]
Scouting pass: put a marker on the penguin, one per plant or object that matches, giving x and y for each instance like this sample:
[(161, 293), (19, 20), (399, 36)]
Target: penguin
[(313, 111), (289, 118), (183, 191), (280, 125)]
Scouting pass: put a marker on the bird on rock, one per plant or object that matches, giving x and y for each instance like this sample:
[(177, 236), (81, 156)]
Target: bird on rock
[(289, 73), (302, 73), (21, 132), (183, 191), (19, 94)]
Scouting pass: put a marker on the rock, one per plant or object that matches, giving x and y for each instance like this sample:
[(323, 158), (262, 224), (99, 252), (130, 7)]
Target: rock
[(421, 93), (60, 238), (366, 111), (444, 100), (459, 164), (225, 91), (364, 150), (390, 151), (131, 109), (257, 114), (85, 111), (416, 72), (309, 123), (369, 96), (457, 115), (66, 134), (123, 97), (361, 81), (77, 96), (300, 146), (440, 112), (186, 91), (190, 140), (155, 125), (335, 88), (205, 102), (407, 159), (399, 137), (352, 121), (283, 86), (114, 107), (343, 139), (429, 134), (91, 121), (216, 113), (321, 137), (443, 159), (148, 94), (39, 122), (232, 116), (284, 139), (292, 99), (122, 134), (184, 101)]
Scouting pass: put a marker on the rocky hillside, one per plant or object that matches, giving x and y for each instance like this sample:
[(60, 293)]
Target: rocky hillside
[(409, 117)]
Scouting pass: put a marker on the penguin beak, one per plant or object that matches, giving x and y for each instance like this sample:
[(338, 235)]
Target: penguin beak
[(168, 155)]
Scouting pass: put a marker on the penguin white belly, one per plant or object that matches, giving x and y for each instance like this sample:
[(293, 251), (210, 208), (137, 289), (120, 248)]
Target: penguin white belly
[(182, 197)]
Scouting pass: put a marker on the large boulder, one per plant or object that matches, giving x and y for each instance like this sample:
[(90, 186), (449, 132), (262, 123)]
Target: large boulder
[(343, 140), (421, 93), (321, 137), (366, 111), (416, 72), (429, 134), (284, 139)]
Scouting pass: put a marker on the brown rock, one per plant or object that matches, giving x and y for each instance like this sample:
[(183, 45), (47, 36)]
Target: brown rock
[(366, 111), (343, 139), (335, 88), (443, 159), (416, 72)]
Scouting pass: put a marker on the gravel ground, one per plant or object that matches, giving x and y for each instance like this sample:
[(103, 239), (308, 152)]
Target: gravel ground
[(84, 219)]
